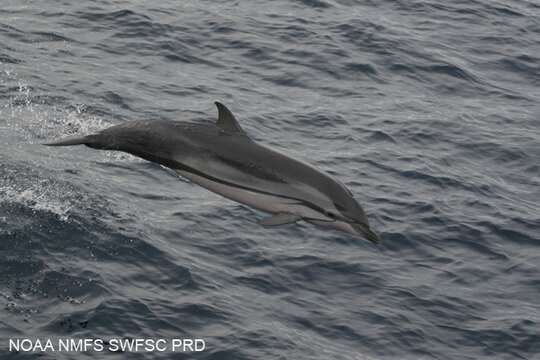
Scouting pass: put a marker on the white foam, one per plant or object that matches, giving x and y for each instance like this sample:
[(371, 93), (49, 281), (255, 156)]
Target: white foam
[(39, 122), (38, 198)]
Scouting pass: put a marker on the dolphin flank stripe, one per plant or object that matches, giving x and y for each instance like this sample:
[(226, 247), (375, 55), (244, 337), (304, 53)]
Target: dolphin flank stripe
[(253, 169), (183, 167), (224, 182)]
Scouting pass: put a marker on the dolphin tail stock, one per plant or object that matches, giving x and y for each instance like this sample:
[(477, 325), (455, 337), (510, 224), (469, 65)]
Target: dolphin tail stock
[(88, 140)]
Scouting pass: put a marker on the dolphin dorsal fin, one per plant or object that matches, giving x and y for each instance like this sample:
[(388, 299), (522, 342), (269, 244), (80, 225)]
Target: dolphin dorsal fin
[(226, 120)]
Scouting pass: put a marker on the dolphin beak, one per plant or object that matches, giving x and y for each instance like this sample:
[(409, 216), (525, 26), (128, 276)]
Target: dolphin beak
[(353, 228), (365, 232)]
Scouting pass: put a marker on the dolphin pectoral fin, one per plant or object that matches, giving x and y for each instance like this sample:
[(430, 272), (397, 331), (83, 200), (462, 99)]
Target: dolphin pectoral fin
[(280, 219)]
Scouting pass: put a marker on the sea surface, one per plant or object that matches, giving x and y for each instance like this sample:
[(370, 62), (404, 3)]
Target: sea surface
[(429, 111)]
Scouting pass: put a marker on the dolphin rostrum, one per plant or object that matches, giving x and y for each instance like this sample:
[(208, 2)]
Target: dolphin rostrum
[(222, 158)]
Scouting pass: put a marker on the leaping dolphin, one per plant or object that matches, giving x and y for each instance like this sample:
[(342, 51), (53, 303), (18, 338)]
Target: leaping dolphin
[(222, 158)]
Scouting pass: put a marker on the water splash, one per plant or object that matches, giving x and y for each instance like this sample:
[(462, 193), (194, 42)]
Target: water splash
[(42, 196), (36, 121)]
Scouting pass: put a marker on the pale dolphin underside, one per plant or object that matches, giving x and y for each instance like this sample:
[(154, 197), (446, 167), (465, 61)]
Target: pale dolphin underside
[(222, 158)]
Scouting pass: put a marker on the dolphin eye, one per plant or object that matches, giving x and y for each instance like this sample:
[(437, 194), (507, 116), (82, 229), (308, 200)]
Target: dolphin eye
[(331, 215)]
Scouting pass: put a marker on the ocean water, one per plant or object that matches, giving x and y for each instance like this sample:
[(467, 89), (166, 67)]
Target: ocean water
[(429, 111)]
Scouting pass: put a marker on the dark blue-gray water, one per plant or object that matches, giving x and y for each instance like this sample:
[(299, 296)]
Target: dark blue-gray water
[(427, 110)]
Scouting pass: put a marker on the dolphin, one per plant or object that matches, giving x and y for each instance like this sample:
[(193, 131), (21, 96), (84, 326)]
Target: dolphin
[(222, 158)]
